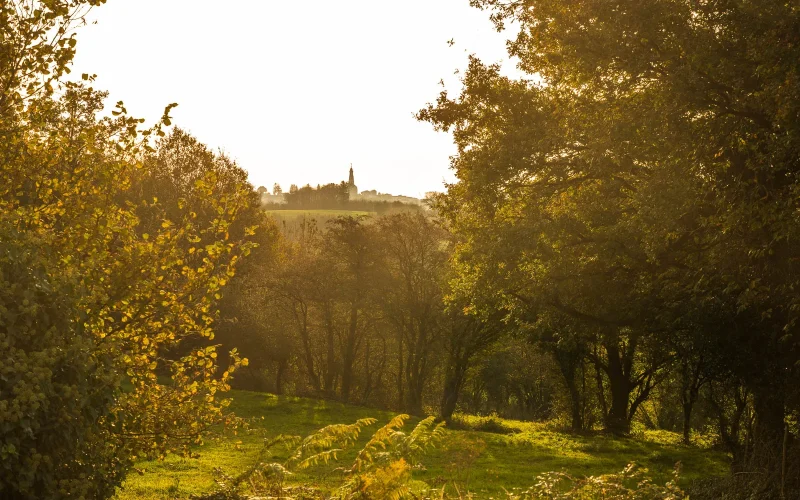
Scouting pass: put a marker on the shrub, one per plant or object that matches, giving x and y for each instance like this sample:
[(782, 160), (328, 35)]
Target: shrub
[(491, 424)]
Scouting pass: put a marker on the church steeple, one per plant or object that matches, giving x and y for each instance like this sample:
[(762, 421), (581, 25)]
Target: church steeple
[(352, 189)]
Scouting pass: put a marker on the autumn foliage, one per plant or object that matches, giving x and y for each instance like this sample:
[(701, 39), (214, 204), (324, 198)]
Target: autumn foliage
[(94, 305)]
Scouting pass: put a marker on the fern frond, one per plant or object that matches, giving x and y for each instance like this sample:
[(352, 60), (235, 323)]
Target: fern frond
[(380, 440), (337, 435), (321, 457)]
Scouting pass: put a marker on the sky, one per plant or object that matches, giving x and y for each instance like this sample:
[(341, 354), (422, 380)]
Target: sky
[(296, 91)]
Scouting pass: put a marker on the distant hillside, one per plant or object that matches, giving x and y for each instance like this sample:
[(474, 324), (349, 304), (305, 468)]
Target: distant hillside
[(321, 216)]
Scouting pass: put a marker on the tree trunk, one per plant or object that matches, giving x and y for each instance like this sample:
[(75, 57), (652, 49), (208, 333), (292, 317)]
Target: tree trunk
[(687, 422), (453, 382), (601, 390), (568, 362), (618, 384), (575, 405), (416, 369), (691, 382), (330, 368), (367, 389), (302, 320), (400, 370), (617, 420), (769, 407), (282, 365), (349, 354)]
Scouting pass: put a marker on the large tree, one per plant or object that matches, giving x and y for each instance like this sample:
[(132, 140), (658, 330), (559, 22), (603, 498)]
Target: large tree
[(650, 163)]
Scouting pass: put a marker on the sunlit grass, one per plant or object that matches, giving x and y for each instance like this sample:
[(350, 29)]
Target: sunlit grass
[(481, 462), (296, 214)]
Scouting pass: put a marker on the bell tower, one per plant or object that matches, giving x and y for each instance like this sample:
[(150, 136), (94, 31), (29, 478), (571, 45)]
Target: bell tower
[(352, 189)]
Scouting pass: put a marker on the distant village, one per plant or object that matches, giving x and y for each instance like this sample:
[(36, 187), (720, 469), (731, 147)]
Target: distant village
[(349, 189)]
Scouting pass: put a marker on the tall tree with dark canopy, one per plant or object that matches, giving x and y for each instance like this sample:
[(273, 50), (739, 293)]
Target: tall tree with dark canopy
[(650, 164)]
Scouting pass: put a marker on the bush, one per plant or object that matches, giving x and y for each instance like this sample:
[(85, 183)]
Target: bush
[(53, 388), (492, 424)]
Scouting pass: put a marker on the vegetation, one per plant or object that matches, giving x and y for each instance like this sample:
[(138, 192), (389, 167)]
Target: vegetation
[(101, 279), (293, 222), (635, 208), (333, 197), (617, 258), (326, 214), (467, 460)]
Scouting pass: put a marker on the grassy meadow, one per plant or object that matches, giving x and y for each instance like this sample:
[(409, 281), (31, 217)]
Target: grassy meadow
[(291, 215), (483, 463)]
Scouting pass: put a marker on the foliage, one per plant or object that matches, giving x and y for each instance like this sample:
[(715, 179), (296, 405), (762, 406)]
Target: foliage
[(630, 484), (95, 299), (633, 201), (329, 196), (37, 46), (491, 424), (477, 462), (269, 478), (381, 469), (356, 307)]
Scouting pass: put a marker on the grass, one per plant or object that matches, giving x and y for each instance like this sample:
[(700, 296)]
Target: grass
[(296, 214), (481, 462)]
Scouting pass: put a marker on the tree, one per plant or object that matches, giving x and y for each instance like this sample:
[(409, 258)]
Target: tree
[(549, 245), (351, 255), (466, 337), (654, 167), (416, 257), (91, 300), (329, 196), (294, 285)]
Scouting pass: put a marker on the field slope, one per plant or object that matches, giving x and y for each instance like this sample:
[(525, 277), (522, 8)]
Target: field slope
[(481, 462)]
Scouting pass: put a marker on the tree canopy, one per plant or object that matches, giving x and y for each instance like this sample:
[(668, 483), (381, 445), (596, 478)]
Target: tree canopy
[(641, 183)]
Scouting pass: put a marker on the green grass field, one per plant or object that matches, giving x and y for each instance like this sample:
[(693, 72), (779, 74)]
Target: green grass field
[(480, 462), (328, 214)]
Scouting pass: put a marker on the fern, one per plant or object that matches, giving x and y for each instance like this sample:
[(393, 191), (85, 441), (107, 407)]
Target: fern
[(381, 470), (320, 446), (562, 486), (380, 439), (424, 436), (390, 481)]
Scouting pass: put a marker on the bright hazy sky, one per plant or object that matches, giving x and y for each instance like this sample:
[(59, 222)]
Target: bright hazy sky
[(295, 91)]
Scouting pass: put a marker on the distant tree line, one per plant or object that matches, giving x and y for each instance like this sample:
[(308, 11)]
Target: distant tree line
[(331, 197), (355, 310), (328, 196)]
